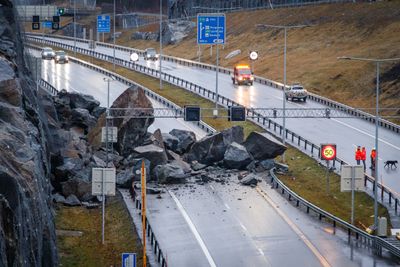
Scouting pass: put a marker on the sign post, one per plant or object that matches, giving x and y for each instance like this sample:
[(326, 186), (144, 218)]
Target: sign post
[(352, 178), (103, 23), (328, 153), (128, 259), (211, 30), (143, 189)]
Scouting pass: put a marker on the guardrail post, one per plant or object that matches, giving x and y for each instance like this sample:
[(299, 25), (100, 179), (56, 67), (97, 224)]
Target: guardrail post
[(297, 203), (382, 191), (395, 204), (308, 209), (390, 198)]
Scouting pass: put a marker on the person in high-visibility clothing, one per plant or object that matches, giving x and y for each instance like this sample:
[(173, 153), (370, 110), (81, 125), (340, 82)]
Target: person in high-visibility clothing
[(358, 155), (373, 158), (363, 156)]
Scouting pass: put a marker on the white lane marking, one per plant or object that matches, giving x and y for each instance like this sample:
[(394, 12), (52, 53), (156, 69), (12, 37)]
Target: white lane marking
[(261, 252), (244, 227), (363, 132), (226, 205), (194, 230), (296, 229), (212, 187)]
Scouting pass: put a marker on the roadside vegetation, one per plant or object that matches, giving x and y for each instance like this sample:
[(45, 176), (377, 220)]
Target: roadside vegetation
[(306, 177), (87, 249)]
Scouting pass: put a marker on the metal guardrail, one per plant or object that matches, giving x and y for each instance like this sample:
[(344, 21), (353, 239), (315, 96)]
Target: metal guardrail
[(150, 234), (317, 98), (276, 129), (373, 241), (48, 87)]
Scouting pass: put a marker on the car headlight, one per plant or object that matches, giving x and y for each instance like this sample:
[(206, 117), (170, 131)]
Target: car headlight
[(251, 78), (240, 78), (156, 56), (57, 57), (66, 58)]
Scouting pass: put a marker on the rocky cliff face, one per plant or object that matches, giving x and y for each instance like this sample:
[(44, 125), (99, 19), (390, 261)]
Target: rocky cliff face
[(27, 232)]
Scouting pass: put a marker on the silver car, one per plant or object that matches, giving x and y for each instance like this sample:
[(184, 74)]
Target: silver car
[(296, 92), (48, 53), (61, 57)]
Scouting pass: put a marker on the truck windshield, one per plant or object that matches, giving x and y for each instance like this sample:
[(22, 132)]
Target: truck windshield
[(244, 71)]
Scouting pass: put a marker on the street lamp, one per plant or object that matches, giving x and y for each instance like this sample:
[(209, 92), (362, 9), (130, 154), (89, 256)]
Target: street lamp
[(108, 80), (75, 28), (284, 75), (114, 39), (160, 57), (377, 62)]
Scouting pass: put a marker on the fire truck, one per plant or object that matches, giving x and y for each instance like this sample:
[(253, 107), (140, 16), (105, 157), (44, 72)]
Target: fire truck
[(242, 75)]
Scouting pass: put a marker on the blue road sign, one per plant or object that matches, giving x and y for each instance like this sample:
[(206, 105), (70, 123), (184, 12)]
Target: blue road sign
[(103, 23), (128, 259), (47, 24), (211, 28)]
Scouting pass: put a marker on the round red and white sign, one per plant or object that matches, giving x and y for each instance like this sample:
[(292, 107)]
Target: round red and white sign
[(328, 152)]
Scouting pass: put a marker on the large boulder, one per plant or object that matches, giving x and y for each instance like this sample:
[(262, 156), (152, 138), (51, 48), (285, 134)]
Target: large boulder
[(208, 150), (171, 142), (176, 30), (212, 148), (236, 156), (169, 173), (263, 146), (155, 154), (233, 134), (81, 117), (186, 140), (132, 131), (83, 101), (77, 187)]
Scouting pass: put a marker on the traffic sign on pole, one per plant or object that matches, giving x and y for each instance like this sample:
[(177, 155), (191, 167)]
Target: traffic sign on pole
[(328, 151), (103, 23), (128, 259), (211, 28)]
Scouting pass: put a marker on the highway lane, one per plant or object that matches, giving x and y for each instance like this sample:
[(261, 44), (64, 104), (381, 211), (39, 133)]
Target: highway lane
[(346, 133), (246, 232)]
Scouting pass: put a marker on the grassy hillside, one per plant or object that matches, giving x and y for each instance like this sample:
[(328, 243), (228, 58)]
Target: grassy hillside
[(360, 29)]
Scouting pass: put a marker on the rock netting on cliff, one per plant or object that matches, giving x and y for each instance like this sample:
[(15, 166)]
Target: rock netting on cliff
[(27, 232)]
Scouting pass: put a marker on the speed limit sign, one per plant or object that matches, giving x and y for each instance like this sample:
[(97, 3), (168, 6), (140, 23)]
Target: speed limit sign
[(328, 151)]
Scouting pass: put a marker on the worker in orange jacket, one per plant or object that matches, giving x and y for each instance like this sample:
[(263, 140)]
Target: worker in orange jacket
[(358, 155), (363, 156), (373, 158)]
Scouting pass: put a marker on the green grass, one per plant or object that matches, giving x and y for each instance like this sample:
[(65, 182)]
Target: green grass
[(87, 249), (308, 179), (309, 176)]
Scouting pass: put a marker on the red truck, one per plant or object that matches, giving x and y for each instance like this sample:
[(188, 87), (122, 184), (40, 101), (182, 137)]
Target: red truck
[(242, 74)]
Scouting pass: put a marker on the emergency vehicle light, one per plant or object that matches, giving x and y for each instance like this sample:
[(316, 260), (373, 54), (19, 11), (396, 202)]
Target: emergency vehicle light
[(243, 67)]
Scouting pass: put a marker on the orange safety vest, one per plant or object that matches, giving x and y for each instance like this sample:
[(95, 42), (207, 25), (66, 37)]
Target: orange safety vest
[(363, 154), (373, 154), (358, 154)]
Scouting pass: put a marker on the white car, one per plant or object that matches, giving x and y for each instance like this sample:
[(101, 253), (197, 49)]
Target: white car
[(150, 54), (296, 92), (48, 53)]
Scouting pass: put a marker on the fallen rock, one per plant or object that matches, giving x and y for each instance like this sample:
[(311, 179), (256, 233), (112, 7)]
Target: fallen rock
[(208, 150), (124, 178), (154, 190), (236, 156), (267, 164), (263, 146), (156, 155), (169, 173), (81, 117), (170, 141), (196, 166), (233, 134), (72, 200), (58, 198), (281, 167), (81, 101), (76, 187), (186, 140), (250, 179)]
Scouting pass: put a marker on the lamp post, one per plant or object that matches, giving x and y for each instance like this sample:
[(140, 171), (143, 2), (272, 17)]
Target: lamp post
[(108, 80), (75, 28), (284, 76), (160, 57), (114, 39), (378, 63)]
